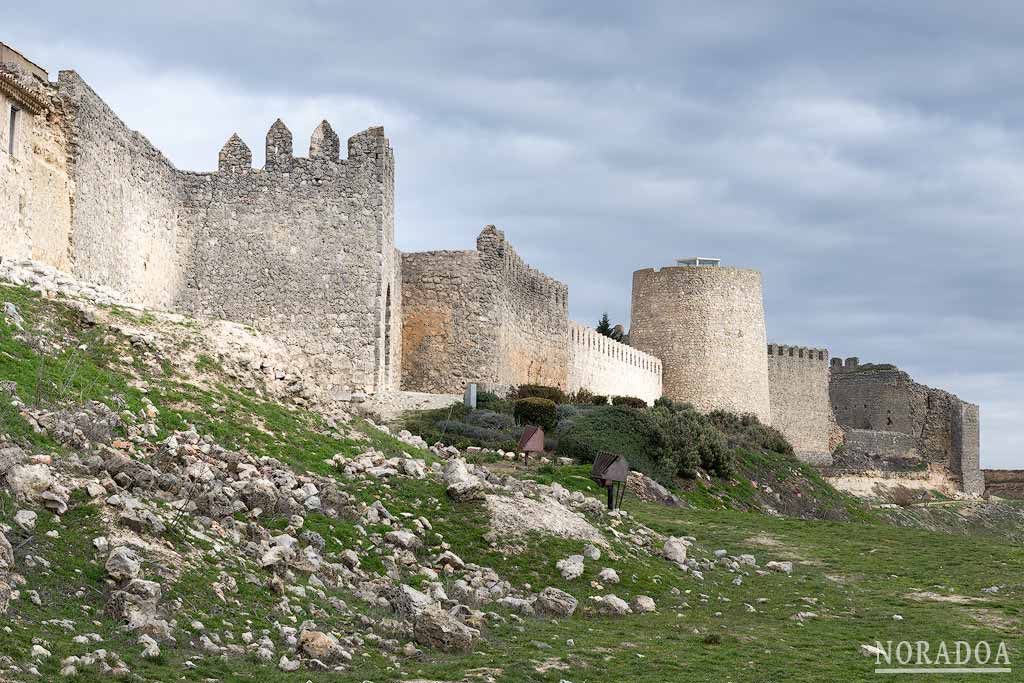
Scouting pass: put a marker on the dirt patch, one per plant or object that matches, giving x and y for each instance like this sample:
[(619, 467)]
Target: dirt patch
[(952, 598), (993, 619)]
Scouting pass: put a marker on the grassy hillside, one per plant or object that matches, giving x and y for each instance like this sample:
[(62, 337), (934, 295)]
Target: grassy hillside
[(854, 576)]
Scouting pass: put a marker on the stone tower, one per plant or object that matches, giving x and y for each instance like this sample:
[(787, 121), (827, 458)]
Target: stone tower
[(706, 324)]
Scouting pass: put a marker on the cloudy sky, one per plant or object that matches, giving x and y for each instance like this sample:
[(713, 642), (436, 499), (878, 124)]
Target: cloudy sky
[(867, 157)]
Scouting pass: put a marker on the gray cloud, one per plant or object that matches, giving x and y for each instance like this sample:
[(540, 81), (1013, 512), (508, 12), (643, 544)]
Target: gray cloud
[(867, 158)]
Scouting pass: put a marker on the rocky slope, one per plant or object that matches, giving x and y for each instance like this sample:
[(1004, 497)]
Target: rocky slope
[(162, 507)]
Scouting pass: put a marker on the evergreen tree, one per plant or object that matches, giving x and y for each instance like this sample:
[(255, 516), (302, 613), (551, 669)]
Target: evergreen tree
[(604, 326)]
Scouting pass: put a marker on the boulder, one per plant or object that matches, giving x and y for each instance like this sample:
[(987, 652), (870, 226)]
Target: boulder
[(437, 628), (26, 482), (320, 645), (674, 550), (613, 605), (643, 603), (571, 567), (26, 519), (608, 575), (555, 602), (123, 564), (409, 602), (781, 567)]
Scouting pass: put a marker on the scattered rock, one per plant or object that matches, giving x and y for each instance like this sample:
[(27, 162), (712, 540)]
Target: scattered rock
[(437, 628), (674, 550), (123, 564), (555, 602), (571, 567)]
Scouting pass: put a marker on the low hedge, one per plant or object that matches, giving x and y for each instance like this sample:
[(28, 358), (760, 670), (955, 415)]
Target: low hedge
[(629, 401), (540, 391), (541, 412)]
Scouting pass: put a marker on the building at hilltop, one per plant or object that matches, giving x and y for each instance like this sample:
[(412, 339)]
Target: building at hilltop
[(303, 249)]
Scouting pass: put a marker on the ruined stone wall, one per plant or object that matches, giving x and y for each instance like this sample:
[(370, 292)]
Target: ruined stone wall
[(942, 429), (126, 231), (35, 187), (481, 316), (303, 249), (1004, 483), (798, 380), (604, 366), (706, 324)]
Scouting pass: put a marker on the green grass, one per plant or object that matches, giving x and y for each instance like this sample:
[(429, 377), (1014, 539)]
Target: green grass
[(861, 572)]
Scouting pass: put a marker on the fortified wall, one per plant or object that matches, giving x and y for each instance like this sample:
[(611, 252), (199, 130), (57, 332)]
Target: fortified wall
[(302, 248), (892, 423), (481, 316), (35, 182), (798, 379), (604, 366), (706, 324)]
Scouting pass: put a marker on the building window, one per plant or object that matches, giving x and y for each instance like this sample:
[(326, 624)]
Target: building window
[(12, 128)]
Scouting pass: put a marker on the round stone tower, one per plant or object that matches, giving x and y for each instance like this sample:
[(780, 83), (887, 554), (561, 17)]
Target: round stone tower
[(706, 324)]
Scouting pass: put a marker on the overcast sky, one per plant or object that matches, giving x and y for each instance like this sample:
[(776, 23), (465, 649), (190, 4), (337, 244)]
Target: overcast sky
[(867, 158)]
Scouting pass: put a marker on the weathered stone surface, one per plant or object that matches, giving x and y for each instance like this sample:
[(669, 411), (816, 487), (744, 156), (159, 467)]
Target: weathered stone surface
[(707, 326), (437, 628), (512, 517), (674, 550), (571, 567), (123, 564), (555, 602), (320, 645)]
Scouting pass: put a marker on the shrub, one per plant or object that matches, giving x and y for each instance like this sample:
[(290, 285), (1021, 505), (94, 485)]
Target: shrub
[(486, 399), (629, 401), (490, 420), (599, 400), (748, 431), (536, 411), (613, 429), (687, 440), (582, 395), (553, 394)]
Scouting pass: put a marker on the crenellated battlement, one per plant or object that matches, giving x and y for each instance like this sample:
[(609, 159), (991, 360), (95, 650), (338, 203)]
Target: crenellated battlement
[(845, 365), (586, 337), (370, 145), (779, 351)]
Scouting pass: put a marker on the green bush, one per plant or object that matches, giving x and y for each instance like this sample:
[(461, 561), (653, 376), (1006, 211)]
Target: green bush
[(748, 432), (582, 396), (599, 400), (614, 429), (553, 394), (629, 401), (688, 440), (536, 411), (487, 399)]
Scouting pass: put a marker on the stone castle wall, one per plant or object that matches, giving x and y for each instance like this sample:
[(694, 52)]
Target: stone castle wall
[(126, 229), (1004, 483), (304, 249), (706, 324), (610, 368), (798, 381), (882, 398), (532, 314), (481, 316), (35, 184), (448, 321)]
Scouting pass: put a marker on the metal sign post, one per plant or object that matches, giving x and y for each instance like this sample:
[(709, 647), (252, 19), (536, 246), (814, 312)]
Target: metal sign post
[(532, 441), (610, 471)]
